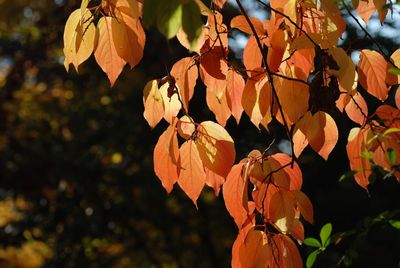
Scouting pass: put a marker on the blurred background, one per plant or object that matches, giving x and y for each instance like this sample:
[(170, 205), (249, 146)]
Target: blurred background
[(77, 187)]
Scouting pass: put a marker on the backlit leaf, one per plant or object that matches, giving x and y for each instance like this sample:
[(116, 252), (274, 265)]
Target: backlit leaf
[(192, 176), (240, 23), (234, 90), (322, 134), (232, 191), (153, 103), (372, 73), (216, 147), (79, 38), (185, 73), (165, 158), (111, 35)]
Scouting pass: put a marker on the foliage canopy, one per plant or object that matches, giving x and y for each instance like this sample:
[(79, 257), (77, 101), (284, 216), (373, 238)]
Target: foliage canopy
[(293, 73)]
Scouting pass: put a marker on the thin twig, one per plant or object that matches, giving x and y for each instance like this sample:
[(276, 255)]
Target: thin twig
[(369, 35), (269, 73)]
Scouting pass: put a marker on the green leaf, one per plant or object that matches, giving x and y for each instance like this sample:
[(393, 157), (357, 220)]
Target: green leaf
[(311, 258), (349, 174), (166, 15), (326, 231), (367, 155), (394, 71), (391, 130), (312, 242), (395, 224), (191, 22), (391, 154)]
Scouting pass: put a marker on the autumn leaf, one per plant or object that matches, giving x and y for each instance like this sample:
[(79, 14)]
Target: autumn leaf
[(232, 191), (255, 251), (192, 176), (153, 103), (172, 105), (165, 156), (355, 147), (240, 23), (372, 73), (216, 147), (234, 91), (305, 206), (322, 134), (79, 38), (185, 73), (282, 210), (111, 34)]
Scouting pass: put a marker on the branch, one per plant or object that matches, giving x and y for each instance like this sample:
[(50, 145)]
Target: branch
[(269, 73), (291, 21), (369, 35)]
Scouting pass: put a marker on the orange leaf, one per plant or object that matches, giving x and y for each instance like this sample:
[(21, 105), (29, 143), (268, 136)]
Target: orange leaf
[(293, 173), (255, 251), (212, 60), (322, 134), (286, 252), (256, 99), (282, 210), (305, 206), (185, 73), (304, 60), (153, 103), (232, 191), (165, 158), (382, 9), (354, 147), (389, 115), (372, 73), (240, 23), (397, 98), (252, 57), (216, 147), (347, 70), (276, 51), (357, 109), (186, 127), (300, 140), (218, 104), (214, 180), (192, 176), (111, 36), (293, 96), (365, 9), (234, 91)]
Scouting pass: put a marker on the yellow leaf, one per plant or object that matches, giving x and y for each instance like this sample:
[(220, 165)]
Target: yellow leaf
[(79, 38), (153, 103)]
